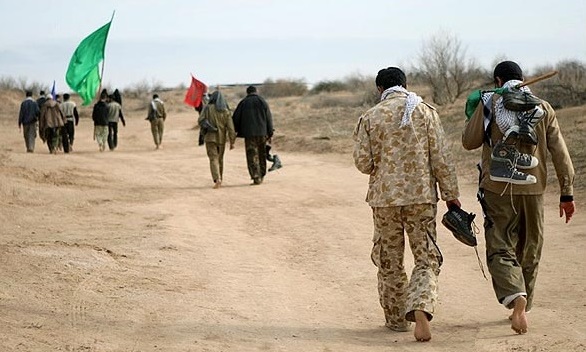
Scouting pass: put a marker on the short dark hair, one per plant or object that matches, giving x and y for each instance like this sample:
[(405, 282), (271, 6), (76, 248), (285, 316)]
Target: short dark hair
[(390, 77), (250, 90), (155, 96), (29, 93), (66, 96), (42, 92), (508, 70)]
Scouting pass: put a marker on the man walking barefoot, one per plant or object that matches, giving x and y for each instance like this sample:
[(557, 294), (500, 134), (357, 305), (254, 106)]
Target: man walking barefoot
[(401, 144), (515, 212)]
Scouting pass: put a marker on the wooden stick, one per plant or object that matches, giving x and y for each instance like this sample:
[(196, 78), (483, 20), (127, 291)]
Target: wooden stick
[(537, 79)]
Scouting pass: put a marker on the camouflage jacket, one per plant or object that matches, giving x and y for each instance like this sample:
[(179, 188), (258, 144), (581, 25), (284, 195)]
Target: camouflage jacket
[(405, 164)]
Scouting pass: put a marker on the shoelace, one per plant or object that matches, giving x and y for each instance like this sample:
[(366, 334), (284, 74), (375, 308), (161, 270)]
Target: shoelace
[(524, 158), (480, 264)]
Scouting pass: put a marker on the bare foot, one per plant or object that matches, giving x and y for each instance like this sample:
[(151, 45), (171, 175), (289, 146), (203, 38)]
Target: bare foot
[(422, 330), (519, 318), (217, 185)]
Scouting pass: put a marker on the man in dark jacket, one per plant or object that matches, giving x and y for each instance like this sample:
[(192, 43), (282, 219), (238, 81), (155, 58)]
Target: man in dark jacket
[(253, 122), (27, 118), (41, 100), (100, 117)]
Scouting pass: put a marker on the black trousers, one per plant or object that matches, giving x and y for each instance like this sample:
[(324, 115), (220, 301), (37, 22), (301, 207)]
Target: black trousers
[(52, 138), (70, 130), (65, 139), (112, 135)]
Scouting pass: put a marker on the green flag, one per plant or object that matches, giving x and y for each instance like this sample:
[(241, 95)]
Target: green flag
[(476, 97), (83, 74)]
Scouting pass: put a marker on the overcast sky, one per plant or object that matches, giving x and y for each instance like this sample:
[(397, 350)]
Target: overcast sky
[(248, 41)]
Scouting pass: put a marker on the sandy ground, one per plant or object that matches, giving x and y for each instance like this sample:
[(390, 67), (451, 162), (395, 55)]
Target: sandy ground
[(133, 250)]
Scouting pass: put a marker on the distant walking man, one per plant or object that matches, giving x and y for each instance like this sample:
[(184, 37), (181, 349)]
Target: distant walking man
[(157, 116), (27, 119), (100, 117), (401, 144), (71, 115), (218, 115), (42, 98), (114, 115), (253, 122), (50, 123)]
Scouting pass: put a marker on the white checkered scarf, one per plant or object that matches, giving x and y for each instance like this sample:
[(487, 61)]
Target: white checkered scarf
[(412, 101), (505, 118)]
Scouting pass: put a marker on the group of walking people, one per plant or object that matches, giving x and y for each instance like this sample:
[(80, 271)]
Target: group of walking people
[(251, 120), (55, 121), (401, 144)]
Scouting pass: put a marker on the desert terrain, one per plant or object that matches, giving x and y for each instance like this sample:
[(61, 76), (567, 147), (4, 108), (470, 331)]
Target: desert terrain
[(133, 250)]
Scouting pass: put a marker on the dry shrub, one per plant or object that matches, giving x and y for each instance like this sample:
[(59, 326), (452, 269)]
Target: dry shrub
[(328, 87), (324, 101), (8, 83), (137, 90), (283, 88), (566, 89)]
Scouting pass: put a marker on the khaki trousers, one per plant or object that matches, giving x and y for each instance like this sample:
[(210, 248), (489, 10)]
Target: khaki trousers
[(215, 153), (157, 128), (514, 243)]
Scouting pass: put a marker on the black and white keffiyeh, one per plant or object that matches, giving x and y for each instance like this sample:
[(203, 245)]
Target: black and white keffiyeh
[(412, 101), (503, 117)]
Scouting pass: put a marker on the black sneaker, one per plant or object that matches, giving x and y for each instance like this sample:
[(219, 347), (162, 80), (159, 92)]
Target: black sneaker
[(503, 151), (504, 171), (459, 223), (516, 100), (276, 163)]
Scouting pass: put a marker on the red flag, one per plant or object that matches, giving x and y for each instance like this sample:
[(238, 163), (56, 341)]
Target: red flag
[(194, 95)]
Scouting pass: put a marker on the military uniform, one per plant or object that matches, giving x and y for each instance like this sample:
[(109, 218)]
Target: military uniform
[(406, 163), (216, 141), (157, 116), (514, 234)]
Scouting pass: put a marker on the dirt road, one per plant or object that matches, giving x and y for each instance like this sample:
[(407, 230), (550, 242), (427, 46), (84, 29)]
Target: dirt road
[(133, 250)]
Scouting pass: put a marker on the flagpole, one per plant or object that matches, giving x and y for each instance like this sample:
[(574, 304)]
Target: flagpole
[(104, 60)]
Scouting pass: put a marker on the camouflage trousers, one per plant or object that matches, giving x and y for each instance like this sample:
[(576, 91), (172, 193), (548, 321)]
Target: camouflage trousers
[(101, 136), (399, 296), (52, 137), (256, 156)]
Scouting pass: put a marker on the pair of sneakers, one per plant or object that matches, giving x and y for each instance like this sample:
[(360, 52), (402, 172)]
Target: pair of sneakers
[(505, 163), (507, 160)]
